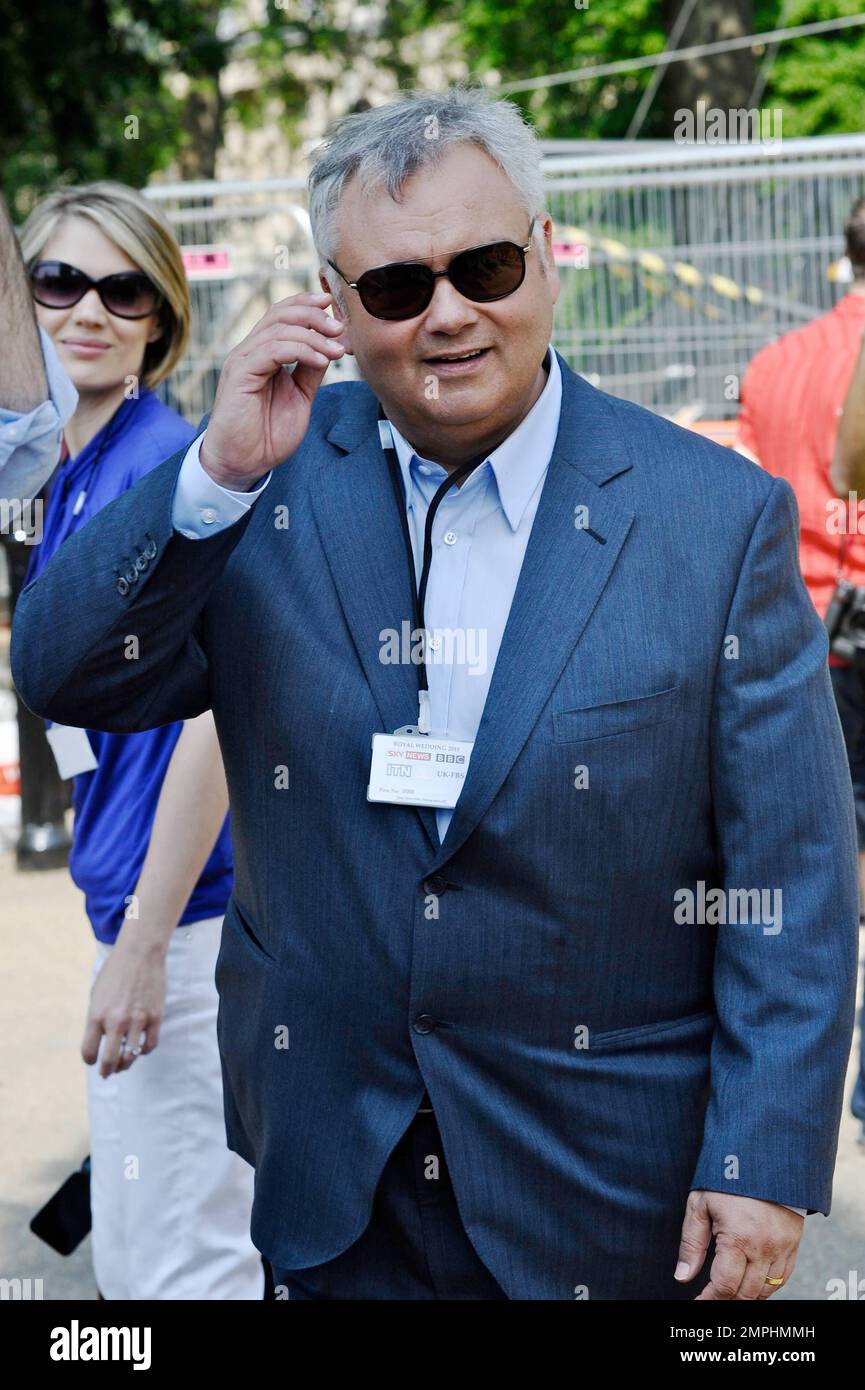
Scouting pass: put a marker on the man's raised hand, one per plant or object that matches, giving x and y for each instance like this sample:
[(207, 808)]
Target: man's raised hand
[(261, 413)]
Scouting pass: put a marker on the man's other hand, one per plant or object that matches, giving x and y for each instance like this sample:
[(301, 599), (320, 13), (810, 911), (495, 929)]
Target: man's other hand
[(754, 1241)]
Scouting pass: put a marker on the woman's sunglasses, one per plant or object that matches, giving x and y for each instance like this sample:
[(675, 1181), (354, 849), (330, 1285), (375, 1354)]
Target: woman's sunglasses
[(404, 289), (130, 294)]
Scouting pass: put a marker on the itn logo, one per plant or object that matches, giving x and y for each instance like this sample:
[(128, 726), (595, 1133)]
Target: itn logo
[(21, 1290)]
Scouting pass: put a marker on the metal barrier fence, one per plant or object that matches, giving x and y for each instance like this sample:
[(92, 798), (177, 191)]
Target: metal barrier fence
[(677, 261), (698, 255), (245, 245)]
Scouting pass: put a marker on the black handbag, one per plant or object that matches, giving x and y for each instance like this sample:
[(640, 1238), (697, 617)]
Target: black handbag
[(64, 1220)]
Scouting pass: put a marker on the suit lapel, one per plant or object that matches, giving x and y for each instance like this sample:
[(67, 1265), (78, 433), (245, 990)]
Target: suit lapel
[(355, 510), (564, 572)]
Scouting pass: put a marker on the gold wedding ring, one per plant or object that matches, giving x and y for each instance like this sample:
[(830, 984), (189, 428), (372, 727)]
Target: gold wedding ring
[(774, 1282)]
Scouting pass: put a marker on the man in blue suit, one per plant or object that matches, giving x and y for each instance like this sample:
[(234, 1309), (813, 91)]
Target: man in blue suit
[(548, 995)]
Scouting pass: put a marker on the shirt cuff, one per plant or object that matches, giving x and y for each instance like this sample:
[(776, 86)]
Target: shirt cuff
[(800, 1211), (30, 444), (60, 388), (201, 506)]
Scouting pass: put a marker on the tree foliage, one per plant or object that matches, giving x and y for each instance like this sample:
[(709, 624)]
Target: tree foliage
[(74, 75)]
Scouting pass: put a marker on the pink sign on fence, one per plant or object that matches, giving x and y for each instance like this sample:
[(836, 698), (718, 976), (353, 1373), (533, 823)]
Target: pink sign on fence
[(202, 262)]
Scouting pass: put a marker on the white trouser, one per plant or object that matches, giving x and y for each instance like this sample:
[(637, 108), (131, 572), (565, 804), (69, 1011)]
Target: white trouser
[(170, 1202)]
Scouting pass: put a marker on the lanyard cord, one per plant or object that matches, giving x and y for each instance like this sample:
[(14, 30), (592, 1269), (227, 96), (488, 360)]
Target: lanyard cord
[(419, 589), (107, 431)]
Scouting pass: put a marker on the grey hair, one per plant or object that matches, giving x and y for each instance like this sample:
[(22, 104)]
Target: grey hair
[(387, 144)]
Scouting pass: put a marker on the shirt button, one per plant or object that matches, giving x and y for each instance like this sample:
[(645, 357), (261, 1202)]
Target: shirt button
[(208, 515), (450, 537), (424, 1023), (434, 643), (435, 884)]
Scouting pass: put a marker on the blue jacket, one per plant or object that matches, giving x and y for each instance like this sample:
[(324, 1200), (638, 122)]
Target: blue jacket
[(115, 805), (548, 917)]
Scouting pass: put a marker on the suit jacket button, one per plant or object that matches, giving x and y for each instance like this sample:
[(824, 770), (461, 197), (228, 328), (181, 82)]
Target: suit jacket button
[(132, 575), (435, 884), (141, 563), (424, 1023), (122, 586), (150, 550)]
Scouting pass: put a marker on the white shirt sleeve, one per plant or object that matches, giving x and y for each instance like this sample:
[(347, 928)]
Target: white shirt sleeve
[(30, 444), (800, 1211), (201, 506)]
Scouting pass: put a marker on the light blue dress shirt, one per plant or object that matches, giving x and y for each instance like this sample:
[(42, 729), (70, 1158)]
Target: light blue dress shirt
[(479, 537), (30, 444)]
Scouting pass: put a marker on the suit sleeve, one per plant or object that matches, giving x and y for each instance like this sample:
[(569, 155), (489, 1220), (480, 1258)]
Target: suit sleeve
[(109, 636), (784, 987)]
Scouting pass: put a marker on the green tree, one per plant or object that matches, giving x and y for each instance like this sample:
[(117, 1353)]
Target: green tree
[(121, 88), (89, 89), (818, 82)]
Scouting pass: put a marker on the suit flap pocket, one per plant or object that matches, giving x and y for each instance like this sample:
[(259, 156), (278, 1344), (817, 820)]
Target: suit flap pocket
[(615, 717), (652, 1034)]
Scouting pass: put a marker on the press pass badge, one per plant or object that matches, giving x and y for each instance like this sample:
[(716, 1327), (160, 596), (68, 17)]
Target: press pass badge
[(71, 748), (417, 770)]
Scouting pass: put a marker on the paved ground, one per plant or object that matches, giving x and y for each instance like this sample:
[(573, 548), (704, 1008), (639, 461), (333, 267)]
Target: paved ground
[(46, 950)]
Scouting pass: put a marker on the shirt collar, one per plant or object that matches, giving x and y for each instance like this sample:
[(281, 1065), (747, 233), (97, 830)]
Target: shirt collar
[(520, 461)]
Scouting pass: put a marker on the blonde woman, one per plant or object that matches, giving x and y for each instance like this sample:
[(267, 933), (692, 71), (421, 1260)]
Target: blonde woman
[(152, 852)]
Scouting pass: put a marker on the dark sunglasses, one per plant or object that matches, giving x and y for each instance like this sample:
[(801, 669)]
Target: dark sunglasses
[(403, 289), (129, 294)]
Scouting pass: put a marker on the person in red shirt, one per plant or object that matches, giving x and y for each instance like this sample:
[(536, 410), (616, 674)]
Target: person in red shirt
[(792, 398)]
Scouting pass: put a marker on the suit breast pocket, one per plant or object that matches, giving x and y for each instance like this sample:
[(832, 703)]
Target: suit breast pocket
[(613, 717)]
